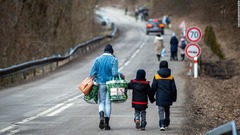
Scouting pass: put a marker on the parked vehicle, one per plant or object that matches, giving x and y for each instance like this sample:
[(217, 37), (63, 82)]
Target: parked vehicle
[(155, 26)]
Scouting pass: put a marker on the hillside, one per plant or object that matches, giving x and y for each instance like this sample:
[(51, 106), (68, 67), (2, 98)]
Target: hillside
[(33, 29)]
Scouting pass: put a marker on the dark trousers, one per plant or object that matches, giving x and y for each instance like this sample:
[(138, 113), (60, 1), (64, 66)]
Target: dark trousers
[(164, 116), (158, 56), (173, 56), (183, 56)]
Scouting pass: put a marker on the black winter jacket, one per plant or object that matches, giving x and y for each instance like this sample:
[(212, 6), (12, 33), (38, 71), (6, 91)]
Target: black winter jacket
[(140, 94), (174, 44), (164, 86)]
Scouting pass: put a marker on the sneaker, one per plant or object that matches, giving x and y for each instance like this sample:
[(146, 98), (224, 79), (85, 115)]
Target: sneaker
[(142, 128), (137, 123), (162, 129)]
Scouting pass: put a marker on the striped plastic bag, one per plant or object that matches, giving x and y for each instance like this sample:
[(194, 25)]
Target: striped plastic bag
[(117, 88)]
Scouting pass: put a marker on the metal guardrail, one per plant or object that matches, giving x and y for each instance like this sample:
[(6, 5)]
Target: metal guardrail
[(226, 129), (4, 72)]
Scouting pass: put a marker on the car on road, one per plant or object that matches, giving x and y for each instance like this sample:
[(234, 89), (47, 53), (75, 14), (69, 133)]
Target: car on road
[(103, 20), (155, 26)]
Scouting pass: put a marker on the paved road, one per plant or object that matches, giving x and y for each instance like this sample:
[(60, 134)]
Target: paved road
[(53, 105)]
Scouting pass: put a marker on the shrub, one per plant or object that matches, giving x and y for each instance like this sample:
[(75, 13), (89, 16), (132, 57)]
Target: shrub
[(211, 41)]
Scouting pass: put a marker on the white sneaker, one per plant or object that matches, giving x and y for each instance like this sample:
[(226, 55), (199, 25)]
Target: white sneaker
[(162, 129)]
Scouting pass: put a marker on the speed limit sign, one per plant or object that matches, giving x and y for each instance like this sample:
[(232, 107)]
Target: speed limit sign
[(194, 34)]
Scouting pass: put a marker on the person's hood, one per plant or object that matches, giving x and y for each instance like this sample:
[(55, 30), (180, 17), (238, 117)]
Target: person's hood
[(164, 72), (141, 74)]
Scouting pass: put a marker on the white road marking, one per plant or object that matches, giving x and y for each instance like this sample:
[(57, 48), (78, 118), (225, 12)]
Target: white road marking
[(60, 109), (13, 132), (8, 128), (134, 54)]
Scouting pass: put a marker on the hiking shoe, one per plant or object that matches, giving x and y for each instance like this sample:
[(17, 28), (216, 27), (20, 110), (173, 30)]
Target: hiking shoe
[(162, 129), (137, 123), (107, 127), (101, 124)]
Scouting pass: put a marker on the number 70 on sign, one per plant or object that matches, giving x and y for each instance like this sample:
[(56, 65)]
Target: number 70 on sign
[(194, 34)]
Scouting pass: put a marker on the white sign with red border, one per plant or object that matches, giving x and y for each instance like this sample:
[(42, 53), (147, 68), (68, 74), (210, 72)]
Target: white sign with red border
[(182, 25), (192, 50), (194, 34)]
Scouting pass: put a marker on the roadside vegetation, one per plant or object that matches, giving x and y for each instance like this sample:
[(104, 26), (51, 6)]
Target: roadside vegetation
[(211, 41)]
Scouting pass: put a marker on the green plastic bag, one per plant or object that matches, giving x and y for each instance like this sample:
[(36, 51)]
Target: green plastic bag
[(117, 89), (92, 97)]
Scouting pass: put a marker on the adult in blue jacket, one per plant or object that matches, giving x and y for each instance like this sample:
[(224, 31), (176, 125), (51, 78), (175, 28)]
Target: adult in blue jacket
[(166, 93), (104, 68)]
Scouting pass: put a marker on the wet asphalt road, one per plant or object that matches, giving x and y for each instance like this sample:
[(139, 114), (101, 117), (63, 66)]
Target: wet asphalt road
[(53, 105)]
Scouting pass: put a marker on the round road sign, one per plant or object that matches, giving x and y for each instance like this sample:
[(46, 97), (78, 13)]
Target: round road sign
[(194, 34), (192, 50)]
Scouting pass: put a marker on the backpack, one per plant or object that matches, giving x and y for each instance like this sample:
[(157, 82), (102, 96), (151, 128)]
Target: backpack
[(183, 45)]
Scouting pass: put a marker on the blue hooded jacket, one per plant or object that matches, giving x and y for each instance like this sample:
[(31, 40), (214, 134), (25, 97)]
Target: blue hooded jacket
[(104, 68)]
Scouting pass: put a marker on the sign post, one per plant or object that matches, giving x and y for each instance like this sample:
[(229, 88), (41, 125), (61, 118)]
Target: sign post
[(195, 67), (193, 50)]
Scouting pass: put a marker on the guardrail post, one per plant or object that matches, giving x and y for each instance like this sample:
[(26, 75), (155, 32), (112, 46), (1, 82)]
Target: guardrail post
[(34, 72), (51, 67), (24, 75), (43, 69), (12, 79)]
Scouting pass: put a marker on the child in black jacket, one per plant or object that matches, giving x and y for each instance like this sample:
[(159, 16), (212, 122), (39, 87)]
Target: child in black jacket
[(166, 93), (140, 94)]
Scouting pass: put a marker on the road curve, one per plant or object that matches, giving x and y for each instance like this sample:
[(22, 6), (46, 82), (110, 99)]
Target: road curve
[(54, 105)]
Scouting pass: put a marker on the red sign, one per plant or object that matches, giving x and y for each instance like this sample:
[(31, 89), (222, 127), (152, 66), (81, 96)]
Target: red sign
[(194, 34), (192, 50)]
